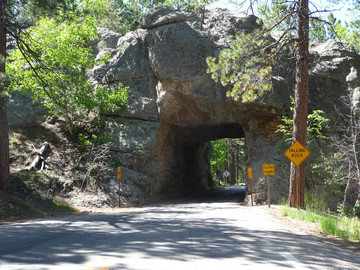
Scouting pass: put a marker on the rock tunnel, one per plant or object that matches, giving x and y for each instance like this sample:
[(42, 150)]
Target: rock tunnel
[(187, 152), (191, 108), (175, 108), (187, 125)]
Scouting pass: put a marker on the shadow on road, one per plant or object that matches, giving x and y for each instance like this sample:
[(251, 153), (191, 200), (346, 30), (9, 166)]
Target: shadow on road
[(178, 233), (212, 232), (230, 194)]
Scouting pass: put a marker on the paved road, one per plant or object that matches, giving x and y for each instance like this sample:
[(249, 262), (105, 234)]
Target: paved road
[(190, 235)]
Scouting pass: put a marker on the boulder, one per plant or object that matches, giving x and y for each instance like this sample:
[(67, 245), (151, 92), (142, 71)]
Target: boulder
[(161, 16), (23, 112)]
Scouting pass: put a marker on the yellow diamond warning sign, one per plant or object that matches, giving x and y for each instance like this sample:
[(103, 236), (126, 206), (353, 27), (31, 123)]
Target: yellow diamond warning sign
[(297, 153)]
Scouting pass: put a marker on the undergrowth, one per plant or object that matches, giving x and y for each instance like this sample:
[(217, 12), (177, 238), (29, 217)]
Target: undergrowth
[(31, 194), (341, 226)]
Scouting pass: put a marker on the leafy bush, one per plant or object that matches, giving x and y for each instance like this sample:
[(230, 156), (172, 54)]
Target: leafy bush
[(51, 63), (218, 158)]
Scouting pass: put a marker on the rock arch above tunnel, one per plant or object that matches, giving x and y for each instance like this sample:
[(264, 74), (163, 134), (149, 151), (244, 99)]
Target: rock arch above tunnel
[(175, 108)]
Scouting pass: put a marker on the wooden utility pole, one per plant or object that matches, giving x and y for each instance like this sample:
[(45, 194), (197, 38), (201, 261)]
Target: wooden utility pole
[(4, 134), (297, 174)]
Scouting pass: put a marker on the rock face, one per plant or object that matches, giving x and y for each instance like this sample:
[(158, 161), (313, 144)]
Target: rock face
[(176, 108), (162, 139)]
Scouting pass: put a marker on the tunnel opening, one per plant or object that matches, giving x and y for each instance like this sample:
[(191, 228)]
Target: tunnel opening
[(227, 162), (187, 152)]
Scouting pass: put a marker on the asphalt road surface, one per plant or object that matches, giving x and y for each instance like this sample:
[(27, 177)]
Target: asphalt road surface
[(193, 234)]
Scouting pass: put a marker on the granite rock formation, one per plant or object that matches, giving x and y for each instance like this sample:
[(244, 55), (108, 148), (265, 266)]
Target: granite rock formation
[(175, 108)]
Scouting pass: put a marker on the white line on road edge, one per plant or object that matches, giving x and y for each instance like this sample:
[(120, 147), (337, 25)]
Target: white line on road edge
[(293, 261)]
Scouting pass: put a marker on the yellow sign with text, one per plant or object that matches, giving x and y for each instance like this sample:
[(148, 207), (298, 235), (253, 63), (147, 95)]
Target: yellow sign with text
[(268, 169), (297, 153), (119, 173)]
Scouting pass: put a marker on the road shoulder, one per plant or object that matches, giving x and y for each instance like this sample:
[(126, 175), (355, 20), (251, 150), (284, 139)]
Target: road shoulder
[(296, 226)]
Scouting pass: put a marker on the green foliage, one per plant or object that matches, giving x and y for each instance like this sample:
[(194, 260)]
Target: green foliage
[(246, 65), (353, 34), (348, 211), (275, 15), (283, 201), (218, 158), (93, 140), (329, 169), (36, 197), (279, 15), (316, 127), (317, 124), (342, 209), (104, 58), (27, 12), (324, 29), (227, 154), (315, 201), (4, 83), (332, 28), (343, 227), (187, 5), (57, 205), (51, 64), (308, 215), (124, 15)]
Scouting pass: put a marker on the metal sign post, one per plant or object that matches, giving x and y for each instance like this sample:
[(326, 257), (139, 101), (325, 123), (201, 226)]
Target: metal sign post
[(119, 178), (250, 175), (226, 175), (268, 190), (268, 170)]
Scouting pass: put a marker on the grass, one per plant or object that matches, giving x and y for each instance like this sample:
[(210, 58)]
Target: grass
[(35, 208), (57, 205), (341, 226), (32, 194)]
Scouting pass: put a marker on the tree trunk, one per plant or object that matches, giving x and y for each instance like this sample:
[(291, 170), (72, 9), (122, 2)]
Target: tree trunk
[(297, 174), (4, 137), (351, 187), (355, 142)]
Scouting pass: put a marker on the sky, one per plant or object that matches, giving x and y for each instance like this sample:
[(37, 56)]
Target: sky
[(340, 10)]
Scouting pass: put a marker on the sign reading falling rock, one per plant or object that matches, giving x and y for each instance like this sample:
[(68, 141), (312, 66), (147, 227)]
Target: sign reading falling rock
[(297, 153)]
